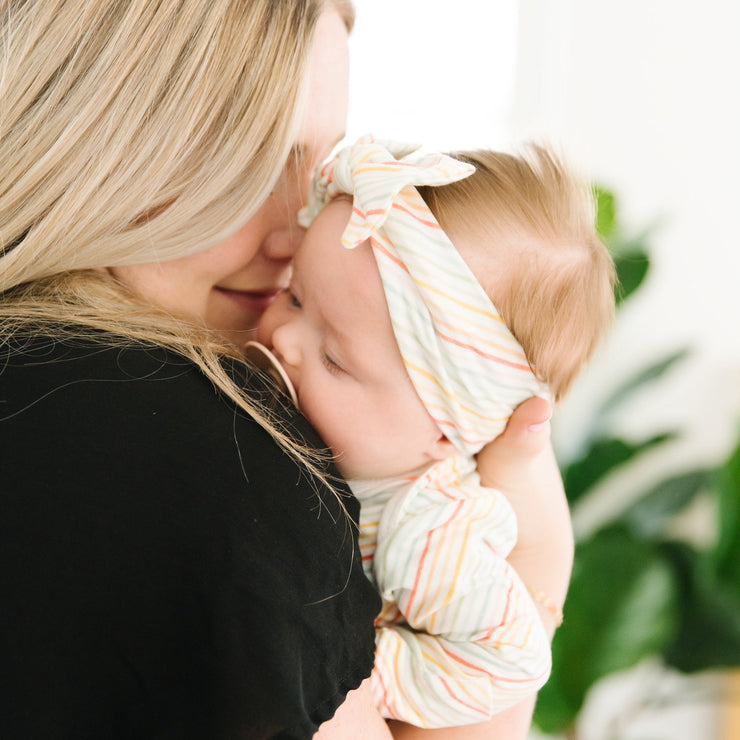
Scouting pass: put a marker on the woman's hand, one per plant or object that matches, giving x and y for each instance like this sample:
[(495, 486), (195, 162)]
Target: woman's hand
[(521, 464), (507, 462), (357, 718)]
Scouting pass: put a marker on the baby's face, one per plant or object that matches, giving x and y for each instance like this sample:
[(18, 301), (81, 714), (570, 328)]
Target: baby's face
[(332, 332)]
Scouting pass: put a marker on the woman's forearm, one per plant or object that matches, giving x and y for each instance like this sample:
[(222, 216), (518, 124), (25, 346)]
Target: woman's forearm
[(521, 464), (543, 556)]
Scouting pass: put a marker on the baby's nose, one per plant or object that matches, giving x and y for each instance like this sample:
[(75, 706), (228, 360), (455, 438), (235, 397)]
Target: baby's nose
[(285, 346)]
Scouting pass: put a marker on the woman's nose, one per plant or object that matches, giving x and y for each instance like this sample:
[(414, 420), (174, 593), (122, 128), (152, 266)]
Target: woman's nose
[(282, 243)]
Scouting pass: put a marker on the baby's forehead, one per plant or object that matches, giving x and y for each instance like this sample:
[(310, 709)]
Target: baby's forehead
[(333, 272), (346, 289), (349, 286)]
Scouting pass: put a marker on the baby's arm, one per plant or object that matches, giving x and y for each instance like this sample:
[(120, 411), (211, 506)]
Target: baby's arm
[(459, 638)]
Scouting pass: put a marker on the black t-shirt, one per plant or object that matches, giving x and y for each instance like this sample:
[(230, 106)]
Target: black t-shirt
[(166, 570)]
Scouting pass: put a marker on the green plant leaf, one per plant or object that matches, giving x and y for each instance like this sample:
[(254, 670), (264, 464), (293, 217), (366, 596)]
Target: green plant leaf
[(727, 552), (648, 516), (603, 456), (708, 634), (620, 610), (621, 245), (605, 211), (629, 253), (632, 269), (652, 372)]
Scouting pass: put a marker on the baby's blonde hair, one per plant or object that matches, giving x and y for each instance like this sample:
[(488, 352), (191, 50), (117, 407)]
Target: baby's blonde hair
[(140, 131), (526, 226)]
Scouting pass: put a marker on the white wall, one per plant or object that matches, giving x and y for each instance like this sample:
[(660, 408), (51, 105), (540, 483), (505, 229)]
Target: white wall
[(438, 73)]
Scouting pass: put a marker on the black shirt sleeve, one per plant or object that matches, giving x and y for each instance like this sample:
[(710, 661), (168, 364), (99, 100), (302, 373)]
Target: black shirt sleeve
[(166, 570)]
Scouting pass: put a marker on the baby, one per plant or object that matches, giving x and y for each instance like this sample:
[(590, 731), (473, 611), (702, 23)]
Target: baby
[(408, 354)]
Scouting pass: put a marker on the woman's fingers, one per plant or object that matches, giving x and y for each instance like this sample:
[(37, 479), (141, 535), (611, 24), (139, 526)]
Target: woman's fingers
[(529, 425), (526, 436)]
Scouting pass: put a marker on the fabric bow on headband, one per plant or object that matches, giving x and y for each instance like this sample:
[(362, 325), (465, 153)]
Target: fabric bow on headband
[(466, 366)]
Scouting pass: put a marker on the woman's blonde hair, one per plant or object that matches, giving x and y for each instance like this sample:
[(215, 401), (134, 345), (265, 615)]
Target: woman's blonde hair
[(526, 225), (139, 131)]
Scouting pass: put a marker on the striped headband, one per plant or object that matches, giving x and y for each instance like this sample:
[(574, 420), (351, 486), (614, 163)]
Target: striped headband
[(466, 366)]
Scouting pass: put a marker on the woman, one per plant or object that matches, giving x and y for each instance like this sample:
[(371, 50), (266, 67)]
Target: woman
[(173, 560)]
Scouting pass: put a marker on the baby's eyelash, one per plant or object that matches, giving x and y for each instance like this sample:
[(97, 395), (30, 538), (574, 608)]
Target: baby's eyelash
[(331, 365), (293, 300)]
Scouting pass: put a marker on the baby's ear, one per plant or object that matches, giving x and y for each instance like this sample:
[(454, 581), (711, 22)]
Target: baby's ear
[(441, 448)]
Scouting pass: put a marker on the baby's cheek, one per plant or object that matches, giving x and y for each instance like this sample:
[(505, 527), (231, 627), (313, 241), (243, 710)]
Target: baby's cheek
[(318, 414), (346, 442)]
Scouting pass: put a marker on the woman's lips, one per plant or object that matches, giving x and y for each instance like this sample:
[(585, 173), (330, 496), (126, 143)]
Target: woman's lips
[(256, 301)]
